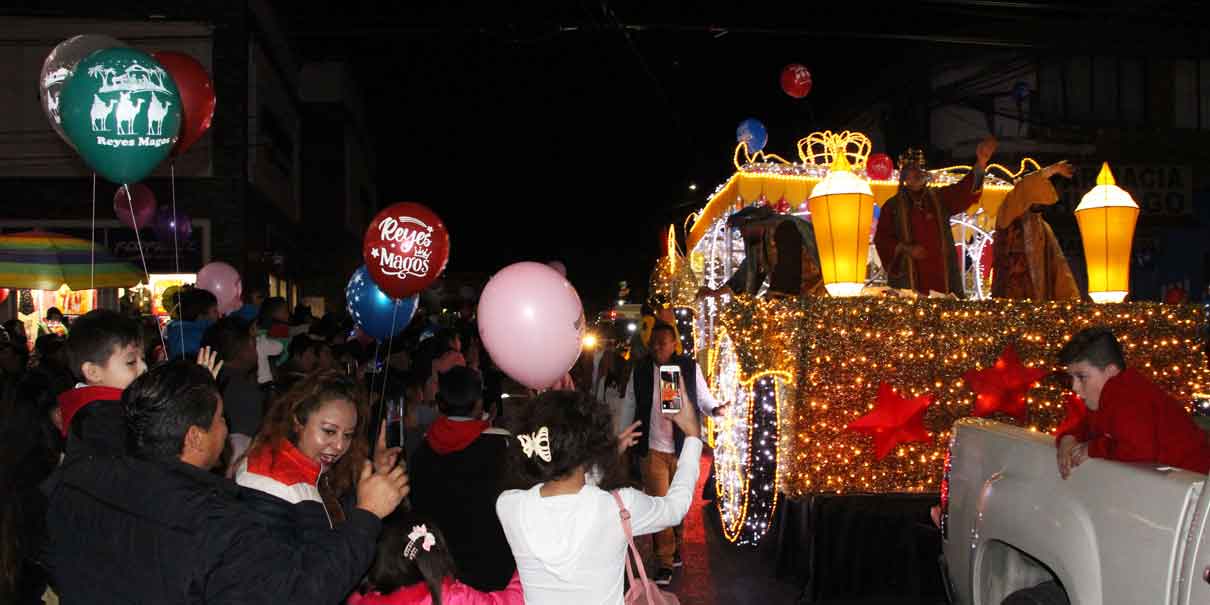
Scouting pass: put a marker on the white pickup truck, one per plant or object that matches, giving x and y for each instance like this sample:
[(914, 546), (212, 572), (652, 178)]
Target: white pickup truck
[(1015, 532)]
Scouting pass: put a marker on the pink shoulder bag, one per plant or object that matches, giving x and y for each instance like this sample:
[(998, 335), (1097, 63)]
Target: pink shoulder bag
[(645, 591)]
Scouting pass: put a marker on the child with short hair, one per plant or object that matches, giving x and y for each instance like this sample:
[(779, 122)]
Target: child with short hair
[(105, 350), (199, 311), (1129, 418), (413, 566)]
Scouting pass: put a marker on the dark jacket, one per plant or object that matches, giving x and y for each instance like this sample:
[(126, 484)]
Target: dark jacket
[(243, 400), (94, 421), (456, 479), (644, 386), (123, 530)]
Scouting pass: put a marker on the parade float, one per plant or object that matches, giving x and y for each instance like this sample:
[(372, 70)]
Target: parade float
[(855, 392)]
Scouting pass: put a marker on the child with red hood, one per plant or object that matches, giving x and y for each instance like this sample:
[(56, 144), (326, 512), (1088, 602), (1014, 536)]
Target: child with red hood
[(1128, 417), (105, 349), (456, 477)]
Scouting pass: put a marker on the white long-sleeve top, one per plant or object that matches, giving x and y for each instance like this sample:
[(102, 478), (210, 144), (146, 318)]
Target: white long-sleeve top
[(571, 549), (658, 427)]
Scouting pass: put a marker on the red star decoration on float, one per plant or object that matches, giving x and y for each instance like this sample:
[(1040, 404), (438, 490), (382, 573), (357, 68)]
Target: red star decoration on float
[(893, 420), (1076, 413), (1002, 387)]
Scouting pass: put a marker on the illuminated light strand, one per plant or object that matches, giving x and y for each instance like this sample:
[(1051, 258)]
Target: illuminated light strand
[(821, 148), (839, 350)]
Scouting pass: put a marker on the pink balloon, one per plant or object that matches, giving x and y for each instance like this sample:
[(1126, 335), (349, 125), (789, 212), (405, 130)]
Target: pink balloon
[(143, 205), (531, 322), (558, 265), (223, 281)]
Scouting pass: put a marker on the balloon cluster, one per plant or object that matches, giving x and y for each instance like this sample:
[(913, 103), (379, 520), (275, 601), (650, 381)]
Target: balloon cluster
[(125, 111)]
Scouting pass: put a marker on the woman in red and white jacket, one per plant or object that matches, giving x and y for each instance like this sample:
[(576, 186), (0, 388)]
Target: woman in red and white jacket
[(304, 464)]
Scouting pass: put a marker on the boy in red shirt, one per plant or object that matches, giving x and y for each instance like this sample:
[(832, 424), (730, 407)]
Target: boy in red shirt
[(1129, 418)]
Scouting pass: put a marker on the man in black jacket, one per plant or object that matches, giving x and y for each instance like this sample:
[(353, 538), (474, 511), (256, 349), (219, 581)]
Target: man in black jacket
[(457, 473), (159, 528)]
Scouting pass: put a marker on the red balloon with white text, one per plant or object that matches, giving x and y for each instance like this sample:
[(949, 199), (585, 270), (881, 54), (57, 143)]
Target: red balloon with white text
[(796, 80), (406, 249)]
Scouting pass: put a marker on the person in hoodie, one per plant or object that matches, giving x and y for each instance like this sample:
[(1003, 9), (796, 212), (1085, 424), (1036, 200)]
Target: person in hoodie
[(563, 522), (457, 473), (105, 349), (199, 310), (306, 459), (414, 566)]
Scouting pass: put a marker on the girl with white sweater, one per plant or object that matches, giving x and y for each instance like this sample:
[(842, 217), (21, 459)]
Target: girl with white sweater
[(564, 526)]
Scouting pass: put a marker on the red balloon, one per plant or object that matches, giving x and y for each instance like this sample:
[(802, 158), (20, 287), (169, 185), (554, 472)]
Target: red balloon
[(406, 249), (197, 96), (879, 166), (3, 295), (143, 205), (796, 80)]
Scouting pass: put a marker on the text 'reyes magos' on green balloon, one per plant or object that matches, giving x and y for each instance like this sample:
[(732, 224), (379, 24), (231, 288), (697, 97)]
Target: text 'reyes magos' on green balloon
[(122, 110)]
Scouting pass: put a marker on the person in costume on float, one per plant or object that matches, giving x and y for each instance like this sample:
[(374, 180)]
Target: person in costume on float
[(779, 248), (914, 239), (1028, 262)]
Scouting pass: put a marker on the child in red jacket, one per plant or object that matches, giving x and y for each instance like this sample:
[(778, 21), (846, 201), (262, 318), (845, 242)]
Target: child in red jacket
[(1129, 418)]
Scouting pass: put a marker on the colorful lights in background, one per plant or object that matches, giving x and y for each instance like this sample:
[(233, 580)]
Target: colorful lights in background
[(825, 359)]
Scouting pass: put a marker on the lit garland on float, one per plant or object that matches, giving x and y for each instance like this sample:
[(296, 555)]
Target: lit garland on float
[(834, 353), (799, 372)]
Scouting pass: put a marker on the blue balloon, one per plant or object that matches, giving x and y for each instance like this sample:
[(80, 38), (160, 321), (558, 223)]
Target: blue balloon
[(1020, 91), (752, 132), (379, 315), (877, 211)]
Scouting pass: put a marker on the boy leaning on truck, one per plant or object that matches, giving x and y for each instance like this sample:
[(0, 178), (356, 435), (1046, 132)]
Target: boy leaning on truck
[(1129, 418)]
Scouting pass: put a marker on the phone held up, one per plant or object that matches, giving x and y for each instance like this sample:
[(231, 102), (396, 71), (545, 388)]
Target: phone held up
[(670, 389), (395, 426)]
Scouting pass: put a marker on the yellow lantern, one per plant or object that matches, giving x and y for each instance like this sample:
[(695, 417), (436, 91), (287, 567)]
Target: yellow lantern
[(842, 209), (1107, 215)]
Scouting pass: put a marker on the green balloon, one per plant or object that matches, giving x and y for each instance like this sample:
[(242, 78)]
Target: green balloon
[(122, 111)]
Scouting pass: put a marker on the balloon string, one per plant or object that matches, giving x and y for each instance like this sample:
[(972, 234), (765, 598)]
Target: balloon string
[(92, 250), (390, 347), (176, 251), (138, 239)]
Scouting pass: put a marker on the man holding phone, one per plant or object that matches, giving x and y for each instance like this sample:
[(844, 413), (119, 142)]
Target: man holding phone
[(663, 382)]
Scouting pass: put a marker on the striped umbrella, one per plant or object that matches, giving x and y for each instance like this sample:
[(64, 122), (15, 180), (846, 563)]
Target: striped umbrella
[(40, 260)]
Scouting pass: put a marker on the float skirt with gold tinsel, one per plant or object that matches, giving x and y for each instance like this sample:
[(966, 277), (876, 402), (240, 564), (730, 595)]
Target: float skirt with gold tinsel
[(799, 371)]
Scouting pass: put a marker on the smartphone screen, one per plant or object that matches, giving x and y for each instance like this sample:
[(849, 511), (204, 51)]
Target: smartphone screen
[(395, 423), (670, 389)]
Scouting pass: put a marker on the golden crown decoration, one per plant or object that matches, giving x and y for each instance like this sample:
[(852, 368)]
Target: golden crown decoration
[(822, 148)]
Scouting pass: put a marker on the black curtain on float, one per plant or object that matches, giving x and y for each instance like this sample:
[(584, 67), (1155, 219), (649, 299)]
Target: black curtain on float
[(866, 547)]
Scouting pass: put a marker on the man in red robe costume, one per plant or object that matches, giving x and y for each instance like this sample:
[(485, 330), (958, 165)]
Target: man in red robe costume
[(914, 239)]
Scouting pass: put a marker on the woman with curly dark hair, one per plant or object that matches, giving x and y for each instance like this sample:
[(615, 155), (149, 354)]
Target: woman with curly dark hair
[(563, 522), (309, 452)]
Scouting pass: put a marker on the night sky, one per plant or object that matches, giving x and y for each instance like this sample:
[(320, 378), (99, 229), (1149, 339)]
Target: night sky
[(543, 133)]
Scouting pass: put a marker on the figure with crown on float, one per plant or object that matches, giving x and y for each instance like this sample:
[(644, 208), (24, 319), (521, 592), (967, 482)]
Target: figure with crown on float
[(914, 239), (1028, 262)]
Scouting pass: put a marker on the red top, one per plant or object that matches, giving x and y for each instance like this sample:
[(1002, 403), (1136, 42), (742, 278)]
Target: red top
[(453, 592), (1138, 422), (930, 271), (446, 436), (284, 463)]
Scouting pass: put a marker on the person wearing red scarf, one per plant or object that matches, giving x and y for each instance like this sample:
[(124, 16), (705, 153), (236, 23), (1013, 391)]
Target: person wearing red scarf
[(456, 478)]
